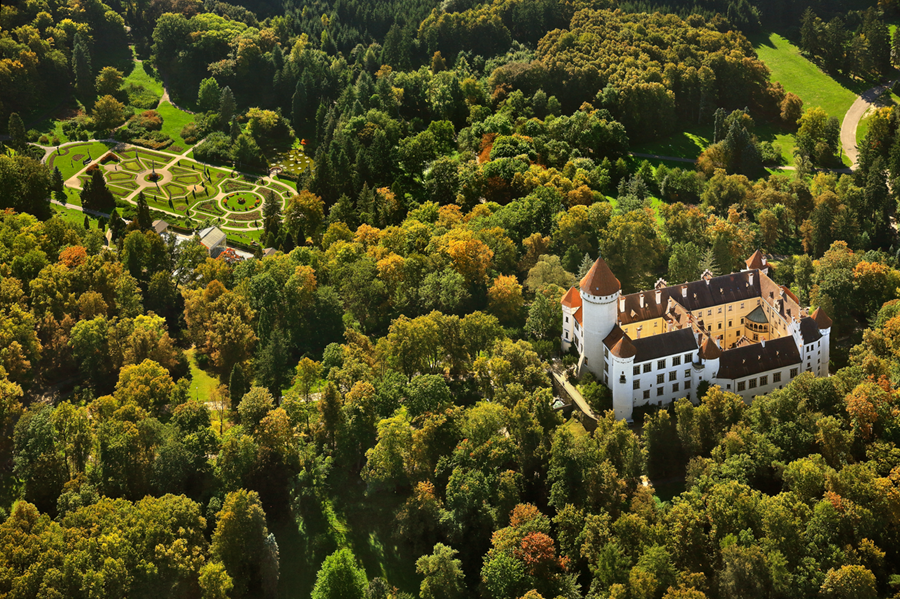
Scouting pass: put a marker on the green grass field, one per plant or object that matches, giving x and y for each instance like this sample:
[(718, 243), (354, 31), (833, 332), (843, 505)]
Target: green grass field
[(802, 77), (138, 77), (173, 121), (202, 383), (66, 162)]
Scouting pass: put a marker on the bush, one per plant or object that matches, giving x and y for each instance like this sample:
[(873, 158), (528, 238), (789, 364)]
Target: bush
[(149, 120), (190, 133), (770, 153), (139, 96)]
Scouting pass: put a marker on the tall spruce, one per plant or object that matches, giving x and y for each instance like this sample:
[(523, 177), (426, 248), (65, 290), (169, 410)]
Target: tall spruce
[(144, 220), (18, 139), (226, 106), (83, 71)]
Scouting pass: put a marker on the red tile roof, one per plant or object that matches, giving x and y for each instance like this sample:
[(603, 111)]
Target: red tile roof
[(709, 350), (821, 318), (755, 262), (572, 299), (600, 280)]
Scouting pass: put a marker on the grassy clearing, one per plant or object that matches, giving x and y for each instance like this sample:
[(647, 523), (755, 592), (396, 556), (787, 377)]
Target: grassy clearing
[(202, 383), (684, 144), (173, 122), (344, 516), (72, 215), (138, 78), (802, 77)]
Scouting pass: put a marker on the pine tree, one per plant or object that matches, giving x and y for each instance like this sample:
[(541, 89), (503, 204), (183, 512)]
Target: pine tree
[(143, 212), (226, 106), (708, 262), (809, 32), (878, 43), (18, 139), (57, 186), (719, 131), (84, 72), (95, 195), (585, 265), (237, 385), (273, 364), (234, 130), (895, 47), (298, 103)]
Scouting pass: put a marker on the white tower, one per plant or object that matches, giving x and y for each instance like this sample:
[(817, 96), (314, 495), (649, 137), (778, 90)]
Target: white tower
[(824, 324), (599, 294), (707, 366)]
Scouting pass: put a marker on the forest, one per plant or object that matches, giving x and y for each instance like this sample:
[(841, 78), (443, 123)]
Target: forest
[(354, 400)]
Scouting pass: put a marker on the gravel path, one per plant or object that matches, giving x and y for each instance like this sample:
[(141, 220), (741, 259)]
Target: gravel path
[(854, 115)]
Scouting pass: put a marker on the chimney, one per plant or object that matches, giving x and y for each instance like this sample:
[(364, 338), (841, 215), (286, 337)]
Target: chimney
[(658, 297), (763, 341), (621, 304), (639, 331), (684, 291), (764, 260), (751, 277), (642, 301)]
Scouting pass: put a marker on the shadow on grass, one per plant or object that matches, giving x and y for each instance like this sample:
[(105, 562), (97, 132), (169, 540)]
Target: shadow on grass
[(343, 516)]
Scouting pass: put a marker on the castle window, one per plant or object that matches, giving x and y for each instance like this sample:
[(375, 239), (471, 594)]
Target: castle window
[(673, 376), (606, 366), (687, 373), (741, 386), (709, 312), (687, 385), (660, 379), (567, 319), (730, 307), (567, 335), (720, 326), (729, 323), (660, 364), (660, 391), (675, 388), (687, 358), (647, 367), (676, 361), (793, 372), (605, 352), (637, 370), (776, 377), (636, 385), (647, 394), (753, 383), (720, 309), (742, 305), (763, 381)]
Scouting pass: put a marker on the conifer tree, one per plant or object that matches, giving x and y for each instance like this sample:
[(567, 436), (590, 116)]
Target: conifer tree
[(95, 195), (298, 102), (237, 385), (226, 106), (18, 140), (57, 186), (585, 266), (143, 212), (84, 72)]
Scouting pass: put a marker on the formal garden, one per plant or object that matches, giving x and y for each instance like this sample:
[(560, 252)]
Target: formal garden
[(190, 192)]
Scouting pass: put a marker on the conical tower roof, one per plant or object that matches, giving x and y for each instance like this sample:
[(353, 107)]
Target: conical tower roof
[(709, 350), (821, 318), (600, 280)]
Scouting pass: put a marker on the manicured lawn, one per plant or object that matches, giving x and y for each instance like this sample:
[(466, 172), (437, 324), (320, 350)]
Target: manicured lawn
[(802, 77), (138, 77), (66, 162), (202, 383), (173, 121), (74, 216), (684, 144)]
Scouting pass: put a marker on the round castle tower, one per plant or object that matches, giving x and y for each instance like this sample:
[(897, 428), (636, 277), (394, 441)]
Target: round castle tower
[(599, 293)]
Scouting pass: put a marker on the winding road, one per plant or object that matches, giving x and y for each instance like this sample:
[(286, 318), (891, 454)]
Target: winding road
[(851, 120)]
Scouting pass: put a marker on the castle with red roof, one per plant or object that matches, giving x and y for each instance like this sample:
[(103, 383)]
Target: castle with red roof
[(741, 331)]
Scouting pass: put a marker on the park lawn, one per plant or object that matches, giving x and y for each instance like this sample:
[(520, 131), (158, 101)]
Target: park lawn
[(72, 215), (202, 383), (802, 77), (173, 122), (778, 136), (139, 77), (347, 515), (684, 144), (69, 167)]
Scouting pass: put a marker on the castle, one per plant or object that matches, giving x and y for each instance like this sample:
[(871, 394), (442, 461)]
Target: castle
[(741, 331)]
